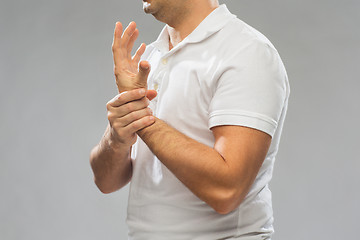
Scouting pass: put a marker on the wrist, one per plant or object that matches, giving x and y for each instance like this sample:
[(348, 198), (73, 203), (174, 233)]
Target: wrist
[(124, 88), (114, 144), (147, 131)]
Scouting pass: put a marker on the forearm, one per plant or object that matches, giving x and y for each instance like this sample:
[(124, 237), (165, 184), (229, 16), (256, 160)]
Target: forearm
[(111, 164), (201, 168)]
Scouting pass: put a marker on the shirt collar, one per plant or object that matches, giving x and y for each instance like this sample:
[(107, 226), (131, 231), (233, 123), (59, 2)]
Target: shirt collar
[(214, 22)]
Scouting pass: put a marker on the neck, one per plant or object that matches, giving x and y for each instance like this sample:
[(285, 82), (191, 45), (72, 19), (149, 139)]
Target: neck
[(182, 26)]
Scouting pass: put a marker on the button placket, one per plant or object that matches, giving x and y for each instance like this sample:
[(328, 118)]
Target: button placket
[(157, 79), (160, 74)]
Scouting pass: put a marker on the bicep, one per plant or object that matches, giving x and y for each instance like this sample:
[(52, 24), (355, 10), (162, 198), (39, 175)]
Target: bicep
[(244, 150)]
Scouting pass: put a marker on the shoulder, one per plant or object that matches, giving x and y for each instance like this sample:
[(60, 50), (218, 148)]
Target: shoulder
[(249, 56), (237, 36)]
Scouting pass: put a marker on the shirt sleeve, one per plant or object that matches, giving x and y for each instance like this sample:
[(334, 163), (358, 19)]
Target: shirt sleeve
[(251, 89)]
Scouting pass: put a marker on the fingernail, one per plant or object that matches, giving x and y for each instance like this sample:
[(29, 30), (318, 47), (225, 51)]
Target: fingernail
[(152, 118)]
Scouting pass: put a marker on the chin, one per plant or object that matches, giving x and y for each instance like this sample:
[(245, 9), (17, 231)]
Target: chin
[(147, 7)]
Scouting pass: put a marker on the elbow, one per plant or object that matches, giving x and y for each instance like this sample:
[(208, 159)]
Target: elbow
[(99, 181), (109, 185), (224, 207), (223, 210), (104, 189), (226, 201)]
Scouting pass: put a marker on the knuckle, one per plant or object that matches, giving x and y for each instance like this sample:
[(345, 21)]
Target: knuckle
[(145, 102), (110, 116), (117, 76), (149, 111), (147, 120), (120, 97), (144, 121), (116, 70), (108, 105), (114, 49)]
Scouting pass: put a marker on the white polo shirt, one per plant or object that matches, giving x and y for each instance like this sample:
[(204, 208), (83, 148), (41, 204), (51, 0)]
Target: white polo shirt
[(224, 73)]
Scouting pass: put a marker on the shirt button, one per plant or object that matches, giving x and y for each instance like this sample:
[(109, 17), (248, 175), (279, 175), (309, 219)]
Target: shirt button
[(156, 86), (164, 61)]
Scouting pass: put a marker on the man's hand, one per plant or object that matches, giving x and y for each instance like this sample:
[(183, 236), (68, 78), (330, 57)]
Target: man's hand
[(110, 160), (128, 112), (128, 72)]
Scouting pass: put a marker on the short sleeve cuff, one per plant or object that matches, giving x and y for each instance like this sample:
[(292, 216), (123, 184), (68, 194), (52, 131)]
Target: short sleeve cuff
[(243, 118)]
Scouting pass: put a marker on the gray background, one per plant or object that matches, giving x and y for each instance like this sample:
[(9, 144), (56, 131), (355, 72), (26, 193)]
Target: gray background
[(56, 77)]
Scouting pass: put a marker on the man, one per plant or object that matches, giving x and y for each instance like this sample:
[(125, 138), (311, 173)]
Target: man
[(207, 142)]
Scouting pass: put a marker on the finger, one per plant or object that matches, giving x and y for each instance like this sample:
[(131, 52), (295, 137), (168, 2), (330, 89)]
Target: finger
[(116, 42), (131, 42), (126, 97), (139, 53), (142, 75), (151, 94), (133, 106), (126, 109), (134, 116), (125, 38), (140, 124)]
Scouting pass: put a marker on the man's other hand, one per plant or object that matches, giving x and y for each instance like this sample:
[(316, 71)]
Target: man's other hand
[(128, 72), (128, 112)]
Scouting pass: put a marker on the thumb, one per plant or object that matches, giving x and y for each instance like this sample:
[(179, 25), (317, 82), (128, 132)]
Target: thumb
[(144, 70), (151, 94)]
